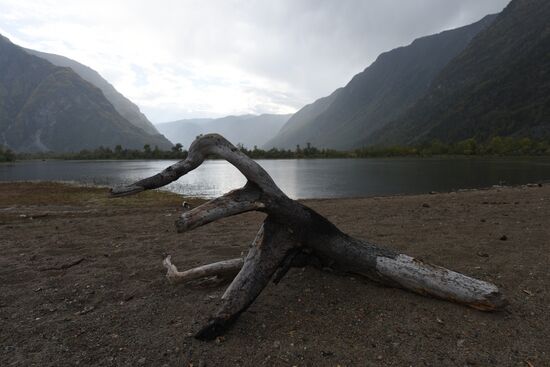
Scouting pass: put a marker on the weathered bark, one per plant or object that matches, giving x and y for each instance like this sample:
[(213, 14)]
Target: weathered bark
[(294, 233), (220, 269)]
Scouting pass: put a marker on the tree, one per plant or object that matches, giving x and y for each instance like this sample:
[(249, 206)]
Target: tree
[(467, 147), (6, 155), (294, 235), (496, 145)]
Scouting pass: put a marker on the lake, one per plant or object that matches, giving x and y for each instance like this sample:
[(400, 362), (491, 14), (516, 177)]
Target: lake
[(301, 178)]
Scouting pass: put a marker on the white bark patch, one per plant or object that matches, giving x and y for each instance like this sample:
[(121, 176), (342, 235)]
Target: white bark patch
[(425, 278), (221, 268)]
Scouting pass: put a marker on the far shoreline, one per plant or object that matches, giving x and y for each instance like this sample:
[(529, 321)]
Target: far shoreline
[(433, 156)]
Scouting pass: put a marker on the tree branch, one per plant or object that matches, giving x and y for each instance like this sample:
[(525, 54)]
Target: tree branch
[(269, 249), (221, 269), (235, 202)]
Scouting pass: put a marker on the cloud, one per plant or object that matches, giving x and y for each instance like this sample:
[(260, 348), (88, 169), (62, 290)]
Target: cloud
[(179, 59)]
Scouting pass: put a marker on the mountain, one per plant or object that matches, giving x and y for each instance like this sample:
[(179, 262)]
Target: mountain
[(499, 85), (249, 130), (379, 94), (49, 108), (123, 105)]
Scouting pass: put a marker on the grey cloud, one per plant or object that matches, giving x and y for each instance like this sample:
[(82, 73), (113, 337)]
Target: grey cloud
[(272, 53), (318, 45)]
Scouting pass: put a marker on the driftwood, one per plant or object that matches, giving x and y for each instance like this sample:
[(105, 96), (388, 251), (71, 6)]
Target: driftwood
[(294, 235)]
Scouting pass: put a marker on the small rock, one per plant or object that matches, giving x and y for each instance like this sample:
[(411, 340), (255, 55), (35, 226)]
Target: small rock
[(482, 254), (528, 292), (85, 310), (141, 360), (460, 342), (504, 237), (425, 205), (276, 344)]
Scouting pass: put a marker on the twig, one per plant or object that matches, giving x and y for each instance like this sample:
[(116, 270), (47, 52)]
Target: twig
[(63, 266)]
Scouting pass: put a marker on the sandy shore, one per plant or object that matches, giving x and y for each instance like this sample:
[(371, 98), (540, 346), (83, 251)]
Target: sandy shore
[(81, 283)]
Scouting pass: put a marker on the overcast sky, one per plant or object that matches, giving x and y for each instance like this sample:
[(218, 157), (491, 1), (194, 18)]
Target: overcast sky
[(184, 59)]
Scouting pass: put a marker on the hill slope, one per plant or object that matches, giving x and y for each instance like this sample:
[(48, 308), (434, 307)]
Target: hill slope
[(376, 96), (123, 105), (248, 130), (44, 107), (499, 85)]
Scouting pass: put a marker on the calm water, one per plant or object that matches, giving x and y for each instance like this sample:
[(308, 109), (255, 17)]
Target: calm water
[(318, 178)]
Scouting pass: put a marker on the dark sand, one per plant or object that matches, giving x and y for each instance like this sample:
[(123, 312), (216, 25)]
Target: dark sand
[(115, 308)]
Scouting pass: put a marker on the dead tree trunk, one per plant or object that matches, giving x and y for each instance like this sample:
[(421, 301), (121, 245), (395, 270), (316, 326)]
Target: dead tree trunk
[(294, 234)]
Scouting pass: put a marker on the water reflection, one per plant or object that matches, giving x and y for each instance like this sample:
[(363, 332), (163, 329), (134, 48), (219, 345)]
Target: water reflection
[(322, 178)]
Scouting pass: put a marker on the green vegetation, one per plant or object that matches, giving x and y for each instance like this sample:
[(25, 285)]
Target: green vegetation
[(46, 193), (298, 153), (6, 155), (107, 153), (497, 146)]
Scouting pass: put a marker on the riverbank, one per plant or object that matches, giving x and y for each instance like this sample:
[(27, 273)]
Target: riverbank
[(81, 282)]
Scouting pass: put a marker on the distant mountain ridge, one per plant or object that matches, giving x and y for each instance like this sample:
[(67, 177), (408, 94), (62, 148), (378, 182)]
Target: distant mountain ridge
[(123, 105), (49, 108), (378, 95), (249, 130), (498, 86)]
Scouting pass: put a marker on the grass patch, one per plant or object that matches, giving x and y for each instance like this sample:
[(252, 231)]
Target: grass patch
[(54, 193)]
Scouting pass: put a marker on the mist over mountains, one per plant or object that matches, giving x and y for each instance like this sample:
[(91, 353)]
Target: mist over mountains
[(498, 86), (123, 105), (489, 78), (49, 108), (248, 130), (379, 94)]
